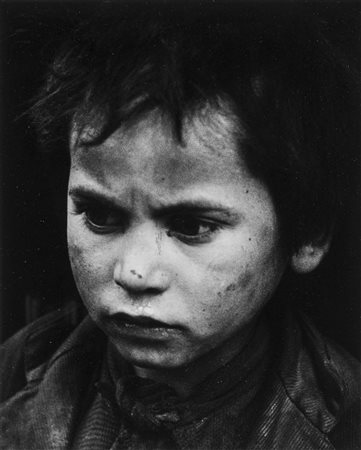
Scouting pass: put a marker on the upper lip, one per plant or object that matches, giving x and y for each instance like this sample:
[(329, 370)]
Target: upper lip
[(142, 321)]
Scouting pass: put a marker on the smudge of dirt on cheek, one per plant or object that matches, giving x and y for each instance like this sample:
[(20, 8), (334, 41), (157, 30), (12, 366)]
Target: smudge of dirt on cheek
[(228, 290), (231, 288), (242, 282), (245, 280), (241, 285)]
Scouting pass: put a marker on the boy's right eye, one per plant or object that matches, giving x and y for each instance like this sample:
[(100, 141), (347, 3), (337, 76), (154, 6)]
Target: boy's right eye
[(102, 219)]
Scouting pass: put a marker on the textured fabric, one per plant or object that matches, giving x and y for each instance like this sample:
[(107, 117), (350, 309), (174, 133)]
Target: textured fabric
[(146, 414), (54, 393), (100, 426)]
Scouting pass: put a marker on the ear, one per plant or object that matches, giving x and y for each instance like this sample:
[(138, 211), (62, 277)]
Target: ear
[(309, 256)]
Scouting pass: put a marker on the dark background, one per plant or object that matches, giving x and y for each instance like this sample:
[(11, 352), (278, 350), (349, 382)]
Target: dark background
[(35, 274)]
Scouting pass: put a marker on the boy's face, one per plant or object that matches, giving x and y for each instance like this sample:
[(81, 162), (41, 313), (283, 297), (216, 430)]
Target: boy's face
[(174, 249)]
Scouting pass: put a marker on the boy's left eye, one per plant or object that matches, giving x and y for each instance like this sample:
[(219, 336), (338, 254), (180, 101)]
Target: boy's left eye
[(191, 229)]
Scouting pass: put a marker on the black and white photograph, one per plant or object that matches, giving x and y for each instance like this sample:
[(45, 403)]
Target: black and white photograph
[(180, 234)]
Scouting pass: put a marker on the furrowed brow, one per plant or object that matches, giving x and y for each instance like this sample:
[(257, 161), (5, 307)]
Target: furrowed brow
[(86, 194), (191, 206)]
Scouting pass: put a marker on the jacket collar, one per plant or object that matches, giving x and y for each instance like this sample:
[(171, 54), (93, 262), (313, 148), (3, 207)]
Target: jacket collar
[(42, 416), (146, 400)]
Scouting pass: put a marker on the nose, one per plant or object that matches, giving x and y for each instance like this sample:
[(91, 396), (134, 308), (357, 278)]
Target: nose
[(140, 266)]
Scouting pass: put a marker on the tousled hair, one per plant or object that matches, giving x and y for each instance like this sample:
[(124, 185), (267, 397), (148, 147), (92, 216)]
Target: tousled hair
[(291, 91)]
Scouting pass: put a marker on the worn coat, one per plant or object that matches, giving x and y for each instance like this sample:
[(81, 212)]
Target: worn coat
[(308, 397)]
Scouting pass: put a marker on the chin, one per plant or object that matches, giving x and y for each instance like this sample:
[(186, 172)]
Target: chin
[(150, 359)]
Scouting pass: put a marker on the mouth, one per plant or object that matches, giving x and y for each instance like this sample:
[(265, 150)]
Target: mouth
[(142, 326)]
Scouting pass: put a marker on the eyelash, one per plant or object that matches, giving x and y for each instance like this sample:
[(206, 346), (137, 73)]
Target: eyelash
[(172, 223), (85, 211), (198, 238)]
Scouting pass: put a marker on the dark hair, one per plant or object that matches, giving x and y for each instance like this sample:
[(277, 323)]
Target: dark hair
[(289, 88)]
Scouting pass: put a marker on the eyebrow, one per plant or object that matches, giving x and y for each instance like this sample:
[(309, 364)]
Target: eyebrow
[(191, 205), (88, 194)]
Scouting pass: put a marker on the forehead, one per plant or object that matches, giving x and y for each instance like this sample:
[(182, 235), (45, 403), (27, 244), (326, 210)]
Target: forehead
[(148, 148)]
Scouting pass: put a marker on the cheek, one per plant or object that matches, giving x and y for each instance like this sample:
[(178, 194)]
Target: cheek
[(90, 271), (80, 268), (225, 299), (241, 292), (234, 305)]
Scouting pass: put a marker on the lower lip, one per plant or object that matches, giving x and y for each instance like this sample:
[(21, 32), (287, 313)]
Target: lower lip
[(145, 332)]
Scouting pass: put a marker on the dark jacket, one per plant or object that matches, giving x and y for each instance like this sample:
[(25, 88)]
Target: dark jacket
[(309, 398)]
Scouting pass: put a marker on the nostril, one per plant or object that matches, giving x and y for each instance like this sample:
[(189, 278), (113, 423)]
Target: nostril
[(147, 279)]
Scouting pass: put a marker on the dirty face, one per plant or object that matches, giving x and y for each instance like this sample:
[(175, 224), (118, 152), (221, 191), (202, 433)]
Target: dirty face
[(174, 248)]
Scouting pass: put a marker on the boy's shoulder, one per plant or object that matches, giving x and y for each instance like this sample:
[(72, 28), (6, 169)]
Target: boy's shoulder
[(53, 361), (322, 381), (336, 372), (33, 346)]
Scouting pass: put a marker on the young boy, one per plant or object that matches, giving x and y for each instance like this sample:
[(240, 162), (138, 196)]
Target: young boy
[(205, 150)]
